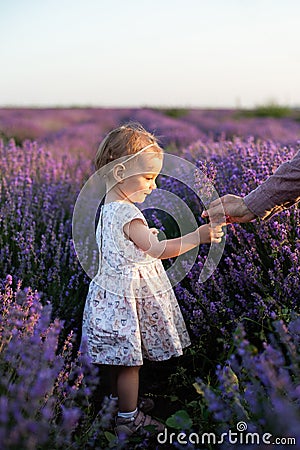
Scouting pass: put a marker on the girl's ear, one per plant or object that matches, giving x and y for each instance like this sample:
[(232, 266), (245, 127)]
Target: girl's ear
[(118, 172)]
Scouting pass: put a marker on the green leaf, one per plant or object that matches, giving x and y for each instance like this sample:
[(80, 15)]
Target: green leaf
[(193, 404), (180, 420), (109, 436)]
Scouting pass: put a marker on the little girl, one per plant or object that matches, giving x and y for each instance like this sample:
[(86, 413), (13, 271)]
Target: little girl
[(131, 311)]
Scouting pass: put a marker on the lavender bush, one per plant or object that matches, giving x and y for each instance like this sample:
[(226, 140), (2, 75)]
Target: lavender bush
[(260, 388), (256, 279), (227, 124), (44, 394), (255, 283), (37, 195)]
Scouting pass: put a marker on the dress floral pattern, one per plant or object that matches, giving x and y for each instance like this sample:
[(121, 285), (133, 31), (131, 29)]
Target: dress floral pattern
[(131, 311)]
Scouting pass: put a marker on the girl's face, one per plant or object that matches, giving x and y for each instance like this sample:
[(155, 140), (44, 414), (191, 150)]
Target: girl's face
[(139, 180)]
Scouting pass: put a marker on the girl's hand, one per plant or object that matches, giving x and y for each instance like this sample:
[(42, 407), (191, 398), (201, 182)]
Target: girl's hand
[(208, 234), (154, 231), (216, 233)]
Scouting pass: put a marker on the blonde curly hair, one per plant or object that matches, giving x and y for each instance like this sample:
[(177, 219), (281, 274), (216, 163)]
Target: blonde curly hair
[(125, 140)]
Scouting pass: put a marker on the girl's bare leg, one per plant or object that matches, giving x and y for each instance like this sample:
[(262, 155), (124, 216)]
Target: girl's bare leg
[(125, 381), (113, 373)]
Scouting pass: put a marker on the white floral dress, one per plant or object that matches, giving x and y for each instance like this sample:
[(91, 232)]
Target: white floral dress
[(131, 311)]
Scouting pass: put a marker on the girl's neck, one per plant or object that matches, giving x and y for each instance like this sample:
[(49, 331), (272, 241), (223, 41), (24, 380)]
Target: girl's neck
[(113, 196)]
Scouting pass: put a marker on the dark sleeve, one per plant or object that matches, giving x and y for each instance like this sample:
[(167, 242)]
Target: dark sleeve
[(280, 191)]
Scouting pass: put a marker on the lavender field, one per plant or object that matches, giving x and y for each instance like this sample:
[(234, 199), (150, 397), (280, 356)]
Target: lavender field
[(244, 320)]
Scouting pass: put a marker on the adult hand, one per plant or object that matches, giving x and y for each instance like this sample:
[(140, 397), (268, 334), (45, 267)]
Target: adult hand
[(231, 206)]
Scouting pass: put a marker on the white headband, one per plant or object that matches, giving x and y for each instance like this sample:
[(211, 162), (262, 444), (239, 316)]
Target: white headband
[(135, 154)]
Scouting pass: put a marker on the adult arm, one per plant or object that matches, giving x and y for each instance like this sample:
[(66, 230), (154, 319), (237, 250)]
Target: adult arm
[(280, 191)]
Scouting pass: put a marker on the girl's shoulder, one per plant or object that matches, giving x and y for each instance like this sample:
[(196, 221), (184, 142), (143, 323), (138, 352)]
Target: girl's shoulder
[(123, 211), (119, 203), (121, 206)]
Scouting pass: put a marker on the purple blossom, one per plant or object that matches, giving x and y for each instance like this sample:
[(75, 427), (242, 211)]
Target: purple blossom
[(38, 405), (256, 281), (259, 388)]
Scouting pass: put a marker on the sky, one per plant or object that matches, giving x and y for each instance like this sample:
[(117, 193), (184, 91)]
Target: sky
[(160, 53)]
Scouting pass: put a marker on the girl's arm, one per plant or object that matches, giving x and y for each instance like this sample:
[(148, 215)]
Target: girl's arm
[(146, 240)]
